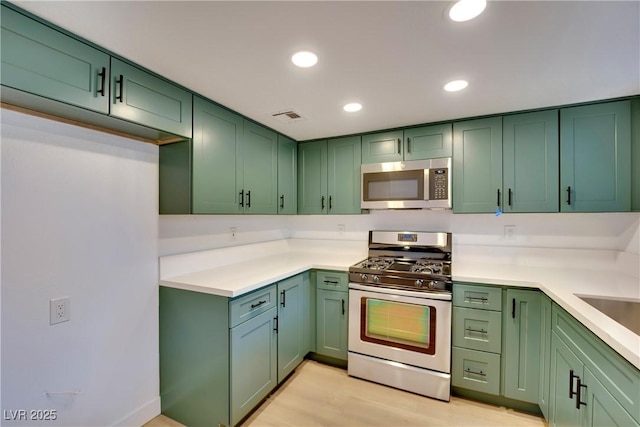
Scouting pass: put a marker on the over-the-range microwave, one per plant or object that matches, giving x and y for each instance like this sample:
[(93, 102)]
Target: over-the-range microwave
[(413, 184)]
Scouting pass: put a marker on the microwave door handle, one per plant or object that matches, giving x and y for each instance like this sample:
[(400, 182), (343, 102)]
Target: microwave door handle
[(427, 190)]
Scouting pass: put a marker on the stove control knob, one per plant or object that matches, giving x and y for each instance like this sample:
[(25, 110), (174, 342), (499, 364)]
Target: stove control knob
[(364, 277), (432, 284), (419, 283), (376, 278)]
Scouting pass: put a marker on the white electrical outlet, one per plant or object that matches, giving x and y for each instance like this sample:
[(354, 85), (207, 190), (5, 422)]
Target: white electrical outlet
[(509, 232), (234, 232), (340, 228), (59, 310)]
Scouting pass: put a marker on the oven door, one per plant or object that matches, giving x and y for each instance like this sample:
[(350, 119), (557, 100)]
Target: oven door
[(401, 326)]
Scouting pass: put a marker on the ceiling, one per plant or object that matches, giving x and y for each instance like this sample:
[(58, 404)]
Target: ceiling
[(392, 57)]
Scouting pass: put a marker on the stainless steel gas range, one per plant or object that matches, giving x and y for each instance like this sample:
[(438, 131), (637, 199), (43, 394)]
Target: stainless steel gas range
[(400, 312)]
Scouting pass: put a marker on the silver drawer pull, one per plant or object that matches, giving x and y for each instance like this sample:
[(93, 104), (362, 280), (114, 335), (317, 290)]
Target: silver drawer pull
[(483, 299), (480, 331), (258, 304), (469, 371)]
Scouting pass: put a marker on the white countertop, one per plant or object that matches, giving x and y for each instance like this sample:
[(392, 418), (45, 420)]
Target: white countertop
[(242, 270)]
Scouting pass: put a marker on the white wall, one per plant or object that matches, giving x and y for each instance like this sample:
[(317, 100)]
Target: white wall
[(79, 219), (596, 239)]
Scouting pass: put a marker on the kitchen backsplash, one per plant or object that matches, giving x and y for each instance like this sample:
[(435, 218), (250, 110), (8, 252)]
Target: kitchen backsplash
[(592, 240)]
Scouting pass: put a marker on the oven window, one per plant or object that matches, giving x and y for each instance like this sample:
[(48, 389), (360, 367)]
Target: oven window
[(398, 324)]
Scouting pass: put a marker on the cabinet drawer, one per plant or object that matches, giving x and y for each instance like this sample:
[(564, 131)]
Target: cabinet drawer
[(332, 281), (482, 297), (477, 329), (251, 305), (616, 374), (476, 370)]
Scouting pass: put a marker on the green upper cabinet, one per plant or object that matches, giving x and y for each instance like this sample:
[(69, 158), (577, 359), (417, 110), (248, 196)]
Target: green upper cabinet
[(426, 142), (477, 165), (343, 162), (45, 62), (287, 176), (521, 355), (595, 156), (382, 147), (329, 176), (312, 177), (260, 169), (235, 163), (141, 98), (217, 168), (530, 162)]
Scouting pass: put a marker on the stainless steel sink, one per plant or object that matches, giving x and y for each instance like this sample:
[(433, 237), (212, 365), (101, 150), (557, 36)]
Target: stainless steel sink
[(624, 311)]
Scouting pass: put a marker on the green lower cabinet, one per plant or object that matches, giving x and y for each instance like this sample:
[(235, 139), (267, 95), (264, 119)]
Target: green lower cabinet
[(496, 344), (194, 357), (475, 370), (521, 354), (332, 323), (253, 360), (583, 368), (545, 355), (564, 365), (291, 325), (601, 408)]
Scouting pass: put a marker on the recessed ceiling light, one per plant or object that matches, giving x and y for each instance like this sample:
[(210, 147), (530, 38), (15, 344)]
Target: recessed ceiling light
[(352, 107), (304, 59), (465, 10), (456, 85)]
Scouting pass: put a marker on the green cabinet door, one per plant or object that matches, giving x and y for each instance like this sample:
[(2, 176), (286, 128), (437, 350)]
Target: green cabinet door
[(428, 142), (545, 355), (601, 408), (521, 355), (142, 98), (477, 165), (331, 317), (287, 176), (562, 404), (312, 178), (343, 175), (290, 325), (260, 169), (382, 147), (43, 61), (217, 173), (531, 162), (253, 360), (595, 156)]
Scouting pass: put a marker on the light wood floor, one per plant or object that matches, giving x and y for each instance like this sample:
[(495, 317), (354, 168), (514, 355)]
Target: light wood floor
[(321, 395)]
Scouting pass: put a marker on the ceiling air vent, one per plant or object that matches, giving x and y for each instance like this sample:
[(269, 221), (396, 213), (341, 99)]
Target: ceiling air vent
[(287, 116)]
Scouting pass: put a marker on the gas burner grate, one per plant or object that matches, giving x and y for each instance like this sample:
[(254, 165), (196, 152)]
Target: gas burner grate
[(377, 263)]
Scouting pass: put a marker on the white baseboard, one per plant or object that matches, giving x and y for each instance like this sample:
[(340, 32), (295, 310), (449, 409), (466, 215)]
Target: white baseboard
[(141, 415)]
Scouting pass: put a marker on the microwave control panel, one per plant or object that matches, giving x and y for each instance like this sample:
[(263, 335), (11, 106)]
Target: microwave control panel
[(439, 184)]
